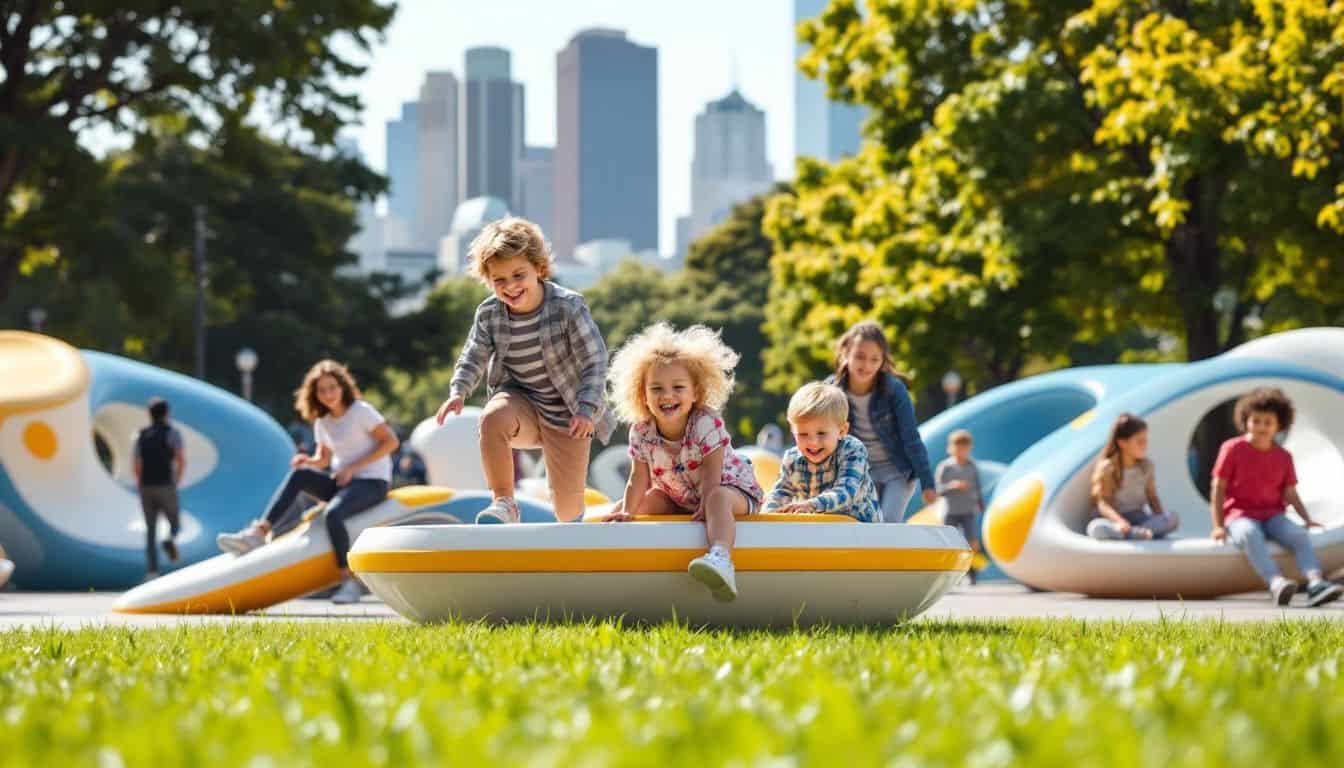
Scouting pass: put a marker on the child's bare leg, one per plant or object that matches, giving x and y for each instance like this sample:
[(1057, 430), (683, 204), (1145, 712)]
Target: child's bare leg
[(720, 507), (655, 502)]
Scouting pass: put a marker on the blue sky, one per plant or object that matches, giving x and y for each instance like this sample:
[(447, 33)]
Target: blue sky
[(701, 43)]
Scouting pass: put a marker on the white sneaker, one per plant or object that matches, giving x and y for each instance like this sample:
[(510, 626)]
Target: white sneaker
[(6, 570), (349, 592), (1282, 590), (242, 542), (501, 510), (715, 570)]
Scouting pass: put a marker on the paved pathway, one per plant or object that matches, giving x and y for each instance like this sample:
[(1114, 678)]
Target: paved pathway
[(64, 609)]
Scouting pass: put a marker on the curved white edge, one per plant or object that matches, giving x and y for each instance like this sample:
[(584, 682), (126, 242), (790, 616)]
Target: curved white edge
[(750, 535), (776, 599)]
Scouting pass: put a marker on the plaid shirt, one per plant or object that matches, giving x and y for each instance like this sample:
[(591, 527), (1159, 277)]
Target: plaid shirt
[(571, 347), (838, 485)]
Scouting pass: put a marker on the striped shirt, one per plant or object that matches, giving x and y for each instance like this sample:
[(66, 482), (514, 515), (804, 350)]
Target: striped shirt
[(839, 485), (526, 370)]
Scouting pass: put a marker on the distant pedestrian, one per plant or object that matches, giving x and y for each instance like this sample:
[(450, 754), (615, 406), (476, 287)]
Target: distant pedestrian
[(159, 463)]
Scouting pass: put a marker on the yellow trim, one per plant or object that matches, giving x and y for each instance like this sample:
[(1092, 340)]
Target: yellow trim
[(38, 373), (593, 497), (1009, 518), (764, 517), (421, 495), (260, 591), (926, 516), (654, 560), (1084, 419)]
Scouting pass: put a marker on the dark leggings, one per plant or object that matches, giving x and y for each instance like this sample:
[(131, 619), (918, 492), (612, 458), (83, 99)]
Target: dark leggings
[(342, 503)]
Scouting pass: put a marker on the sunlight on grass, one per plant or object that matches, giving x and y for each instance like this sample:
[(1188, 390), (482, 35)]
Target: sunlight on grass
[(934, 693)]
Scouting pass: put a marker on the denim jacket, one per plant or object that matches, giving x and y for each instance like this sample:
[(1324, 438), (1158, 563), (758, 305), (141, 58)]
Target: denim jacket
[(571, 346), (893, 417)]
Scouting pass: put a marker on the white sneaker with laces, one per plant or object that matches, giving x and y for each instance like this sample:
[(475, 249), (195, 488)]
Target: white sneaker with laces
[(715, 570), (6, 570), (1282, 590), (501, 510), (242, 542), (349, 592)]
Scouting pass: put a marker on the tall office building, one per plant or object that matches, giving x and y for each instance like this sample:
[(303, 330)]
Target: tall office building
[(822, 128), (491, 149), (437, 161), (401, 165), (537, 201), (606, 154), (729, 165)]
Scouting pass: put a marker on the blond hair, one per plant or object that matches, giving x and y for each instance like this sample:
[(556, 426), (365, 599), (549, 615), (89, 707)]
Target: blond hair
[(819, 401), (960, 436), (505, 239), (706, 358)]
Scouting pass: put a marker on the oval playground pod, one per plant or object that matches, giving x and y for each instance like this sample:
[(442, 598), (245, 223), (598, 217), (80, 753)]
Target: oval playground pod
[(1034, 525), (791, 570)]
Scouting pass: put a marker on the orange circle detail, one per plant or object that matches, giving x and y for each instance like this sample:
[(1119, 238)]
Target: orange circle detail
[(40, 440)]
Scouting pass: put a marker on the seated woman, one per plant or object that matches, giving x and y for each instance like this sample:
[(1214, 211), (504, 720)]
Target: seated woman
[(355, 442), (1124, 487)]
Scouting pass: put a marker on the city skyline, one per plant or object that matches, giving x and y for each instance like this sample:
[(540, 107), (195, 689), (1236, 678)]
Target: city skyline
[(697, 64)]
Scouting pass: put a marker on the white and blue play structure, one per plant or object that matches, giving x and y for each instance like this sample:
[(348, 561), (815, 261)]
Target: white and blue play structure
[(68, 521), (1041, 436)]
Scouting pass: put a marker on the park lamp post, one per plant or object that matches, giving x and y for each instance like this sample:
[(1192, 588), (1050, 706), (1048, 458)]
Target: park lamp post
[(951, 387), (246, 360)]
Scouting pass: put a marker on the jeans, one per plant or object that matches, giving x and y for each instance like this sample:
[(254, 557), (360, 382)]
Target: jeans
[(361, 494), (153, 500), (894, 496), (1250, 535), (1106, 529)]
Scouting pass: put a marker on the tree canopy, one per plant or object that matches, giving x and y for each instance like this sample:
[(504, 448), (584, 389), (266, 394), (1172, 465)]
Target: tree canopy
[(1035, 175)]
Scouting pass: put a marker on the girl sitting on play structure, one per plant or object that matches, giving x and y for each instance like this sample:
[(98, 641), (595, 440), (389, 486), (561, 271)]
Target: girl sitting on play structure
[(350, 470), (882, 416), (670, 385), (1124, 487)]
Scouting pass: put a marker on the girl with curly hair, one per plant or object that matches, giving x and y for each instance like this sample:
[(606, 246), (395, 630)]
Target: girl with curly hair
[(670, 385), (350, 470)]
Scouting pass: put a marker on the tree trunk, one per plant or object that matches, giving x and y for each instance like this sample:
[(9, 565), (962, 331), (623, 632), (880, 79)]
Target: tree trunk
[(1193, 255)]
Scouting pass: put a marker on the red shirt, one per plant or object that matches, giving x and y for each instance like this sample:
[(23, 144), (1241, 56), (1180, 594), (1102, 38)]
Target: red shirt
[(1255, 479)]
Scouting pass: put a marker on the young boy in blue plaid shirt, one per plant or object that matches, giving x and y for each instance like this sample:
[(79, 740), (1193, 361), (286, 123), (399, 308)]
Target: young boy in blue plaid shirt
[(827, 470)]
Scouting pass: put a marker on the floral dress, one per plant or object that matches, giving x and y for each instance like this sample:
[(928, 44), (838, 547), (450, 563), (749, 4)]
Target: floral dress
[(674, 465)]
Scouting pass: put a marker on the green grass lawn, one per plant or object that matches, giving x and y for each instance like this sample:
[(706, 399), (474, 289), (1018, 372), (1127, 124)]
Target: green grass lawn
[(1035, 693)]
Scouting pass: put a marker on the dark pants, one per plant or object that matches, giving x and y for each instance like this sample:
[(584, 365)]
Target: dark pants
[(342, 503), (153, 500)]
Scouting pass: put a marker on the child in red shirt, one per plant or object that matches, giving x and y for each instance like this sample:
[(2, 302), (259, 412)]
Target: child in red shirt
[(1252, 480)]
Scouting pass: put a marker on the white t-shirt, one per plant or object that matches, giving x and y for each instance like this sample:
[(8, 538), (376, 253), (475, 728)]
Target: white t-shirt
[(350, 439)]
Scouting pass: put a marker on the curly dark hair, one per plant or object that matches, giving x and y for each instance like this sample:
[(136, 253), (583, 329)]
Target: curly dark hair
[(1265, 400), (305, 397)]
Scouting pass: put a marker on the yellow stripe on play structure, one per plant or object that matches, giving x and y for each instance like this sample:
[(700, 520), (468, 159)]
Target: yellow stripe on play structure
[(655, 560), (599, 516), (260, 591)]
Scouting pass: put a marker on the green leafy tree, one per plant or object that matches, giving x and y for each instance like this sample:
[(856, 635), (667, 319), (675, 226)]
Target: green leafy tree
[(1037, 175), (71, 67)]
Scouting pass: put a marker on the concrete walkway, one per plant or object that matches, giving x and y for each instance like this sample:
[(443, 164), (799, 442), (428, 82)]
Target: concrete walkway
[(990, 601)]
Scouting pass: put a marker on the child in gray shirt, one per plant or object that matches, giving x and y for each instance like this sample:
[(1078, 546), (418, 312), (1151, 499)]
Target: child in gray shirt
[(958, 482)]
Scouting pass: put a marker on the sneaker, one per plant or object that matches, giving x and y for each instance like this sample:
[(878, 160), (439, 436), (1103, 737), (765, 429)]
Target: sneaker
[(502, 510), (170, 549), (1323, 592), (349, 592), (6, 570), (242, 542), (715, 570), (1282, 590)]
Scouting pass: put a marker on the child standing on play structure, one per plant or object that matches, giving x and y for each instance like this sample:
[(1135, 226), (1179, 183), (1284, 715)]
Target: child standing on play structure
[(670, 385), (883, 417), (545, 366), (826, 470), (1124, 487), (1252, 480)]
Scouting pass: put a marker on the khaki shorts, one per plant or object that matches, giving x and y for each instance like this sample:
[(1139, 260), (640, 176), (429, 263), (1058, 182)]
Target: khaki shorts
[(566, 457)]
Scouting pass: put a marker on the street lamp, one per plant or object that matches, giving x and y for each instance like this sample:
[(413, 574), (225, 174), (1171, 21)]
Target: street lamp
[(37, 318), (246, 360), (951, 387)]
